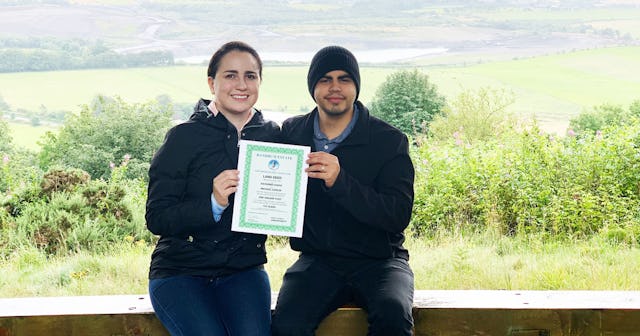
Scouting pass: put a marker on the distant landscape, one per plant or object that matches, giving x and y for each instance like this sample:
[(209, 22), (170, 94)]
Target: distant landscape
[(558, 58), (467, 31)]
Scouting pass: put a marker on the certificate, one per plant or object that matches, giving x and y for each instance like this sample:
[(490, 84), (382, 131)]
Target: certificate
[(272, 191)]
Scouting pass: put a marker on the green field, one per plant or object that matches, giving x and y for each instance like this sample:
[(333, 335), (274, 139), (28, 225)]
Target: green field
[(558, 87), (550, 88), (283, 89), (25, 135)]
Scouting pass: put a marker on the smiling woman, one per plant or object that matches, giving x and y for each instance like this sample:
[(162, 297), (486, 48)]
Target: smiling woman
[(205, 279)]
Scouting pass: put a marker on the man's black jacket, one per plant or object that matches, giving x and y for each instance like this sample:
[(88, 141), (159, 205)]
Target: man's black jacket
[(366, 211)]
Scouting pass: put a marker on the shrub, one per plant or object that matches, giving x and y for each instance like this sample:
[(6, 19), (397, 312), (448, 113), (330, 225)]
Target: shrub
[(408, 101), (606, 115), (18, 169), (67, 211), (475, 116), (105, 133), (63, 180), (531, 183)]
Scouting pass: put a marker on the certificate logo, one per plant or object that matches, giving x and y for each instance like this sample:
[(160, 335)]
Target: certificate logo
[(274, 164)]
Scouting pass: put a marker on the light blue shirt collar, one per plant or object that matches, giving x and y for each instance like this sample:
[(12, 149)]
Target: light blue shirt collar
[(321, 141)]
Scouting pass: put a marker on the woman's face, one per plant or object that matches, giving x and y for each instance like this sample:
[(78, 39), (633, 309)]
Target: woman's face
[(236, 83)]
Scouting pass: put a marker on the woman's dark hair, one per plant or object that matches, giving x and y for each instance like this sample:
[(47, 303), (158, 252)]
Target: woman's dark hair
[(228, 47)]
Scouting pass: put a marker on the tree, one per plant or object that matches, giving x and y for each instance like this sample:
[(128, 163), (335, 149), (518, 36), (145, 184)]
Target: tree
[(408, 101), (596, 119), (475, 116), (110, 132)]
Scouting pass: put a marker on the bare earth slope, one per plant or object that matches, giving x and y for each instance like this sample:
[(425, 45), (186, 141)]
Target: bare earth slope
[(473, 32)]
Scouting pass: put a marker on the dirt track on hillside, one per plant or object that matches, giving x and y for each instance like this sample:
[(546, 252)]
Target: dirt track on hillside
[(131, 30)]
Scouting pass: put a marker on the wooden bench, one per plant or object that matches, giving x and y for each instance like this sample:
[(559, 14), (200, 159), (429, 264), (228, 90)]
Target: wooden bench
[(436, 312)]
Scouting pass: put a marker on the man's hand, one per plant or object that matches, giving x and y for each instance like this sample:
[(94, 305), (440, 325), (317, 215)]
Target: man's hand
[(323, 166)]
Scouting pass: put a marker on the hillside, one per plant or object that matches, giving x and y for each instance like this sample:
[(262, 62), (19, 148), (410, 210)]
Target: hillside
[(450, 31)]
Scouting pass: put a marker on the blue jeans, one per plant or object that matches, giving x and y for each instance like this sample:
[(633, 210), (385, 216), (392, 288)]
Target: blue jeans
[(234, 305)]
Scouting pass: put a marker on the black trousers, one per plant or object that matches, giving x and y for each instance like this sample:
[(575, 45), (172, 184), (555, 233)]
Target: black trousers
[(315, 286)]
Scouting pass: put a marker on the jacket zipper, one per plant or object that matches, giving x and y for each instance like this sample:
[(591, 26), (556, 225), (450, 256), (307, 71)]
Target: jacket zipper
[(243, 131)]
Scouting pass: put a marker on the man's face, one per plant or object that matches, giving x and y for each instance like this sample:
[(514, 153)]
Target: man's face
[(335, 93)]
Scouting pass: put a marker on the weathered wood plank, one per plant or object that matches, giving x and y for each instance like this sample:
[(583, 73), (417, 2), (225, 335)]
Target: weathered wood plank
[(620, 322), (503, 299), (144, 324), (76, 305), (465, 321), (344, 322), (447, 312)]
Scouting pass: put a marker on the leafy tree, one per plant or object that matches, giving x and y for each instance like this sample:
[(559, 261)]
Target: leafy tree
[(589, 122), (475, 116), (408, 101), (107, 133)]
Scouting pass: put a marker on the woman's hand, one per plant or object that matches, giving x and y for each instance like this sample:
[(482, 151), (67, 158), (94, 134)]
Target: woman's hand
[(225, 184)]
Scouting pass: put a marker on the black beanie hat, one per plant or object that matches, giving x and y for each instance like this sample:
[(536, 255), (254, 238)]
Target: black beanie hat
[(329, 59)]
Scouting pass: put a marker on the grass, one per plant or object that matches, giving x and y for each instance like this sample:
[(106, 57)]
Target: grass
[(556, 88), (27, 136), (510, 264), (583, 78), (67, 90), (30, 273), (448, 262)]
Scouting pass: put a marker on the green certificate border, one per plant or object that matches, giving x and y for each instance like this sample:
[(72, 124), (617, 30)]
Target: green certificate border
[(299, 154)]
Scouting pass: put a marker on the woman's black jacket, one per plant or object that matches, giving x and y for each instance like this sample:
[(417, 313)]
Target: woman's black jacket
[(178, 207)]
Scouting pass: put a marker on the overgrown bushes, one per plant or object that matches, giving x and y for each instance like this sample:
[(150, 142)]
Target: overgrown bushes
[(105, 133), (527, 183), (69, 212), (533, 183), (521, 182), (94, 190)]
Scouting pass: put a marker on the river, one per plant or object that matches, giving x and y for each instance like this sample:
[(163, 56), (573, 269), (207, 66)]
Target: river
[(363, 56)]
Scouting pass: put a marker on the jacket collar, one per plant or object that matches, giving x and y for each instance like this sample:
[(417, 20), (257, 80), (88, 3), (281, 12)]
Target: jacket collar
[(201, 113), (359, 134)]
